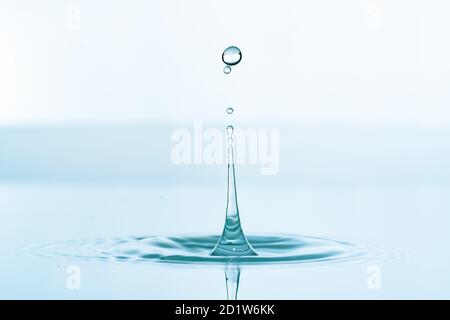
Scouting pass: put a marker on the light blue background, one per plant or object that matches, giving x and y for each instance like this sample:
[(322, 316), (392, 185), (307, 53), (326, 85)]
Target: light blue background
[(358, 89)]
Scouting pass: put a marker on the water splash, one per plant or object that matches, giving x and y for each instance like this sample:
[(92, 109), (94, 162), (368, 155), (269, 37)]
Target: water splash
[(233, 241), (231, 250), (196, 249)]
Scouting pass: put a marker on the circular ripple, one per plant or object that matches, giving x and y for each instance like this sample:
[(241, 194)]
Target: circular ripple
[(196, 249)]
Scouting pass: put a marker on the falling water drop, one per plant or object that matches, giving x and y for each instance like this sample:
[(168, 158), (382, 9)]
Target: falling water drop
[(232, 56), (227, 69), (230, 110)]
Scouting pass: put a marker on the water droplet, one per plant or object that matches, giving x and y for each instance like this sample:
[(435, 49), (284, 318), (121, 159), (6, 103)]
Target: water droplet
[(232, 56), (230, 110), (227, 69), (230, 130)]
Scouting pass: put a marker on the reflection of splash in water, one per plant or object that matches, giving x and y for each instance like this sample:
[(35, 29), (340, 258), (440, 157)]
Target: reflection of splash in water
[(232, 276)]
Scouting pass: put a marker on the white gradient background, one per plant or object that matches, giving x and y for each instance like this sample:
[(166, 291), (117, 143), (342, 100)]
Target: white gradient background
[(359, 91)]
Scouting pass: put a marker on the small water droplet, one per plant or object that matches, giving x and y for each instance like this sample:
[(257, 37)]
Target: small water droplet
[(227, 69), (232, 56), (230, 110), (230, 130)]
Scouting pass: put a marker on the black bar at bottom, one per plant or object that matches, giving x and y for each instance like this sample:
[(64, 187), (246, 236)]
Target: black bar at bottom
[(216, 309)]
